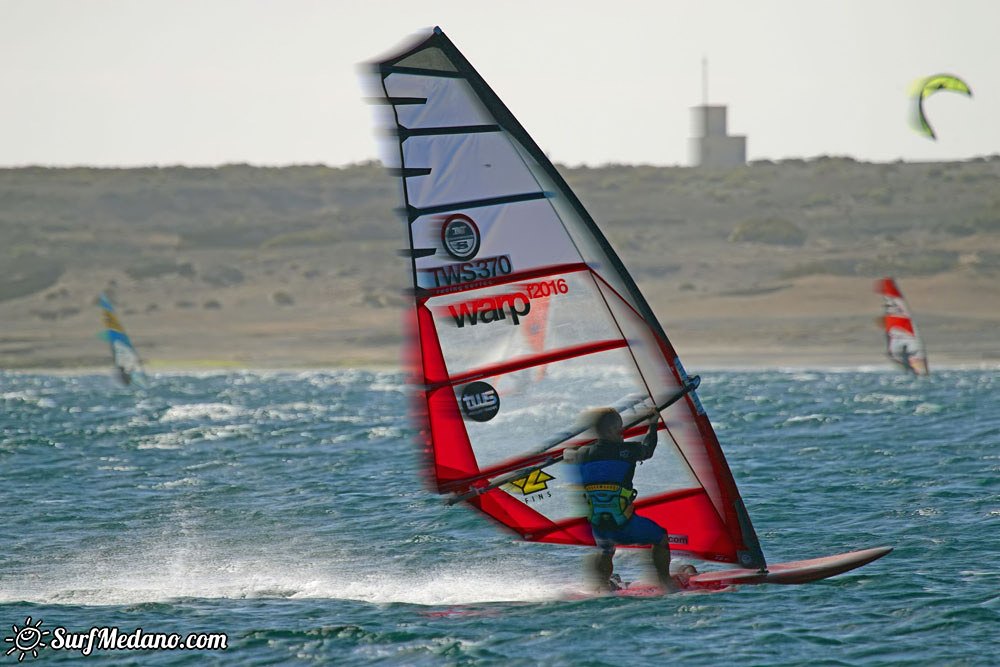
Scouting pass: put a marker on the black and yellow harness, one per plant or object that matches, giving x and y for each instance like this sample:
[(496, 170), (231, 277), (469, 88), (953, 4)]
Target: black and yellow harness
[(609, 504)]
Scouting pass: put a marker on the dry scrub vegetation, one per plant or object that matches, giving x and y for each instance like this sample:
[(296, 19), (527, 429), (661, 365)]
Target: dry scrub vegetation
[(298, 265)]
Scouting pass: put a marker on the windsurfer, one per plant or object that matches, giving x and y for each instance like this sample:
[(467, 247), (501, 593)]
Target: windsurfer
[(904, 358), (607, 467)]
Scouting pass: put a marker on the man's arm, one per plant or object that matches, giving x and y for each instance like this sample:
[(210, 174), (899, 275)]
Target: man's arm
[(648, 445), (576, 454)]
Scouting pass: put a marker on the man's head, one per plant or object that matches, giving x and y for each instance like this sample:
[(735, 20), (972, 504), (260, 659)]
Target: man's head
[(607, 423)]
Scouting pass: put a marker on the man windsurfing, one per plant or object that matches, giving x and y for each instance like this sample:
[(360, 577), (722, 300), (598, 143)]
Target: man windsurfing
[(904, 359), (607, 467)]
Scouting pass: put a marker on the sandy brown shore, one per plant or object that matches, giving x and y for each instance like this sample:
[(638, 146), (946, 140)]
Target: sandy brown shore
[(819, 322), (769, 265)]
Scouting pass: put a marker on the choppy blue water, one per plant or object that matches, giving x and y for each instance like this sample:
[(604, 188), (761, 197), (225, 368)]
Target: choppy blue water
[(285, 510)]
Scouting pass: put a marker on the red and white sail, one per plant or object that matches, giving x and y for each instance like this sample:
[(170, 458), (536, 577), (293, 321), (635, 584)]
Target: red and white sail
[(903, 343), (524, 318)]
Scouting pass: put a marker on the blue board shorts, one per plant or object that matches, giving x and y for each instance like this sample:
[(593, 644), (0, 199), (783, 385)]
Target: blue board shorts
[(639, 530)]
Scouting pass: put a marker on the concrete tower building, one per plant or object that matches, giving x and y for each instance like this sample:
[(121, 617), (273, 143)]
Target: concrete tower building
[(711, 146)]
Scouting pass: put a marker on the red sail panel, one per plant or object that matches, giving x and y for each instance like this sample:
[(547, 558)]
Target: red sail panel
[(526, 319), (687, 515)]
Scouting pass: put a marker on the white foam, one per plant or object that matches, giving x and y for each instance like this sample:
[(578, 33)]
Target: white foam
[(815, 418), (29, 396), (439, 586), (885, 399), (196, 411), (178, 564), (186, 481), (193, 572), (180, 439), (170, 440)]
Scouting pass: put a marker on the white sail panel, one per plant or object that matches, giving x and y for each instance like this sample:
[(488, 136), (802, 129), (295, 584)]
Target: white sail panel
[(664, 381), (465, 167), (536, 407), (593, 248), (449, 102), (473, 323), (527, 235)]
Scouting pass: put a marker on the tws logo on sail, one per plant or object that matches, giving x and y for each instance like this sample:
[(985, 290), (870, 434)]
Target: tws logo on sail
[(460, 237), (480, 402), (484, 268)]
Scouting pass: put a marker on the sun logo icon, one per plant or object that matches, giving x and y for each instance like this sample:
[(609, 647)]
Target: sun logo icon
[(27, 639)]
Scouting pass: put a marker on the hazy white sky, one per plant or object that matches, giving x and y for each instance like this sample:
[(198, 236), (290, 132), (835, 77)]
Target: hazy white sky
[(274, 82)]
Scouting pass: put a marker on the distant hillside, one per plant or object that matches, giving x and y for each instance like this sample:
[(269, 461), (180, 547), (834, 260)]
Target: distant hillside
[(169, 242)]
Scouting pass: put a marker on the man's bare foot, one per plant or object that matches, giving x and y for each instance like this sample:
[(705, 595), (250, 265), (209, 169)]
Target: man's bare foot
[(683, 575), (670, 587)]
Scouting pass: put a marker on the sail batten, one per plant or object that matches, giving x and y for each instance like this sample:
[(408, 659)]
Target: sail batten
[(397, 101), (526, 362), (396, 69), (405, 133), (525, 318), (415, 212)]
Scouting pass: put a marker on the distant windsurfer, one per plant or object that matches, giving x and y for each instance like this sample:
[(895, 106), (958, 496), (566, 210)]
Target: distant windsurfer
[(607, 467), (904, 358)]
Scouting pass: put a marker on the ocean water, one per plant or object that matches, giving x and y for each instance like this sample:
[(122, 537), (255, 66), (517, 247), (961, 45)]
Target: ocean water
[(287, 511)]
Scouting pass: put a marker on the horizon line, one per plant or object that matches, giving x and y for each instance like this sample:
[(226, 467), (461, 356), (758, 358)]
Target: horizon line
[(583, 165)]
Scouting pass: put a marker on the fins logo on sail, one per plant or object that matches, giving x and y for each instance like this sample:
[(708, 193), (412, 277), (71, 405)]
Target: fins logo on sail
[(480, 402), (534, 483)]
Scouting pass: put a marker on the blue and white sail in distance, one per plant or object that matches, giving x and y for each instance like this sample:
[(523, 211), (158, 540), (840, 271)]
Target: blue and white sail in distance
[(123, 353)]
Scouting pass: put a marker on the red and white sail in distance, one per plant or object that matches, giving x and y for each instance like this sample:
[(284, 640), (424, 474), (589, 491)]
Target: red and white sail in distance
[(904, 345), (524, 318)]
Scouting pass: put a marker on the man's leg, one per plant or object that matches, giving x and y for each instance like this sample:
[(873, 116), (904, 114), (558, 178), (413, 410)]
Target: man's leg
[(661, 561), (602, 565)]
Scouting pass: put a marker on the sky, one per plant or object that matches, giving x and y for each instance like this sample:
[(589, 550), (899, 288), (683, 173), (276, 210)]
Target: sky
[(276, 82)]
